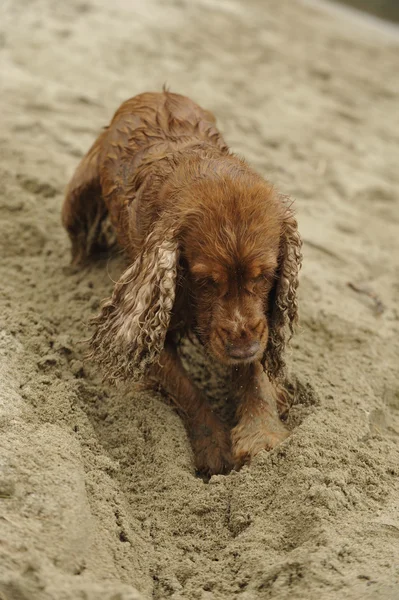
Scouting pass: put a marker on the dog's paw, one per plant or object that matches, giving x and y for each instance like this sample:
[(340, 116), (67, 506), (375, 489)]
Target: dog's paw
[(211, 447), (251, 436)]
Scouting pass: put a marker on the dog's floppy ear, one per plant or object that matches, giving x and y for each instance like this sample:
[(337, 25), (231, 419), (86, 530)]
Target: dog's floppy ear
[(131, 327), (283, 298)]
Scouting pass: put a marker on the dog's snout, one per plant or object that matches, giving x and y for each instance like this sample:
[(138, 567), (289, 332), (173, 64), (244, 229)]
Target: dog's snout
[(243, 343), (243, 351)]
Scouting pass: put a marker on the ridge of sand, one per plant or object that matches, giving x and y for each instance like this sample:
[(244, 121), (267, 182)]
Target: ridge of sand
[(98, 497)]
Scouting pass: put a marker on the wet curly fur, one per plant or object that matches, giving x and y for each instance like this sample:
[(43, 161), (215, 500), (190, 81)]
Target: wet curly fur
[(131, 328), (285, 313), (214, 250)]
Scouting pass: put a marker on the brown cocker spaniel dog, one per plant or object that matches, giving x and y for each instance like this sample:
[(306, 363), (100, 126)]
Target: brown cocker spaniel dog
[(213, 251)]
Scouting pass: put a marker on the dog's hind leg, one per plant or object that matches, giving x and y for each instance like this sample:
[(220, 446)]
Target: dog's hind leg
[(84, 213)]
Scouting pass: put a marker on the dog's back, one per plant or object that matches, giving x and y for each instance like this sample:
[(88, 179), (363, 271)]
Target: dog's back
[(153, 124), (144, 133)]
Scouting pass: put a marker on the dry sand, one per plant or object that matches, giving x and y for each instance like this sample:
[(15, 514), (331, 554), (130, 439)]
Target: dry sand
[(98, 496)]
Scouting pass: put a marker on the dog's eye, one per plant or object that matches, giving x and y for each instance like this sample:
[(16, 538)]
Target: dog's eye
[(208, 282), (259, 284), (262, 278), (265, 278)]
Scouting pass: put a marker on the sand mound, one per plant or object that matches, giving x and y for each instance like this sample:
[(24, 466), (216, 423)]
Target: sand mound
[(98, 496)]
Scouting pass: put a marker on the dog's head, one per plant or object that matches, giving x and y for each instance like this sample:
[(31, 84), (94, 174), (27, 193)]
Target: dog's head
[(233, 244)]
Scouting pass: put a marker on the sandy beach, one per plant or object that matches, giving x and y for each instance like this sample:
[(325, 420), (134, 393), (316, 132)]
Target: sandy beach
[(98, 494)]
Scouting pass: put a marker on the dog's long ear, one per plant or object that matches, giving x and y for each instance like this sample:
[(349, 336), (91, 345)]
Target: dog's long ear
[(131, 327), (283, 298)]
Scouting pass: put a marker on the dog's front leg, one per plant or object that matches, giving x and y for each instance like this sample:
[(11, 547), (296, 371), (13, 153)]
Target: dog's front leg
[(209, 437), (258, 423)]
